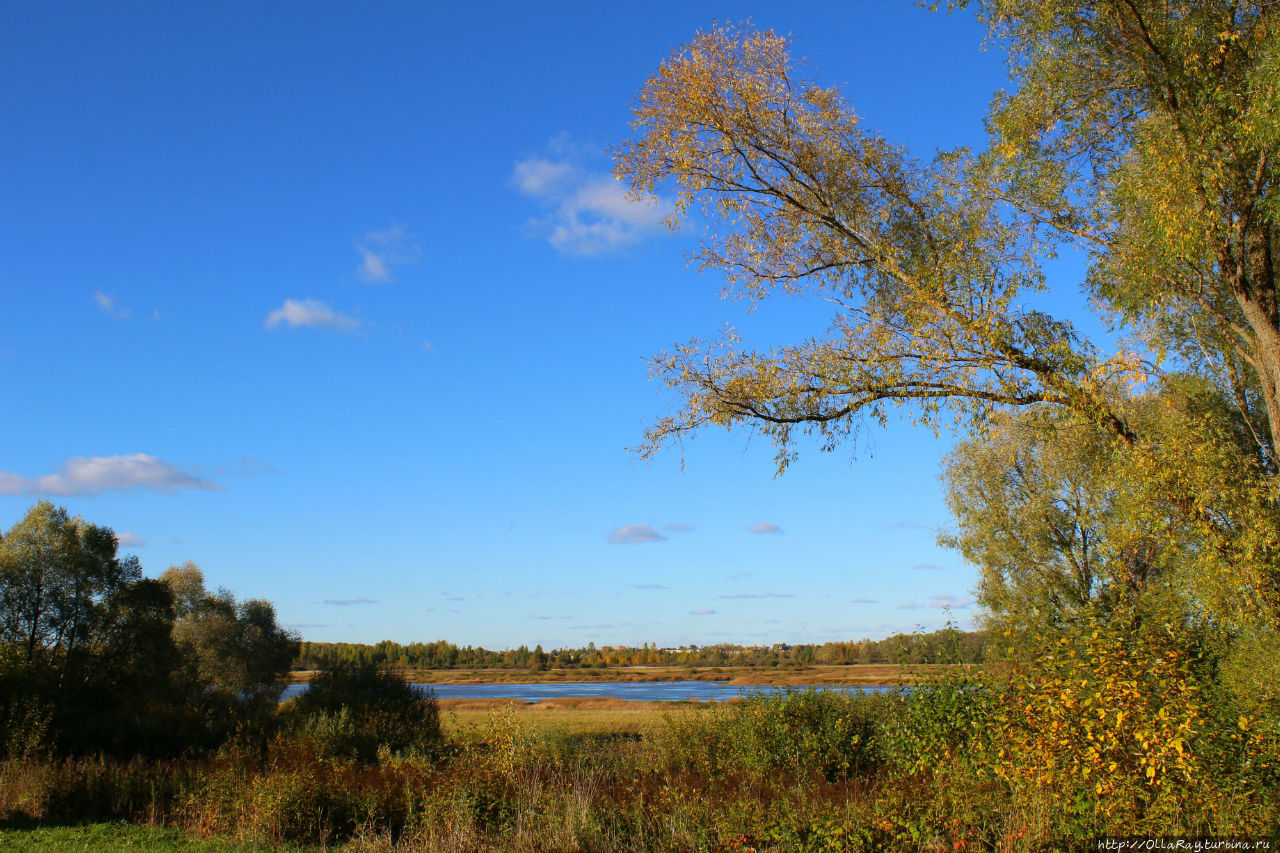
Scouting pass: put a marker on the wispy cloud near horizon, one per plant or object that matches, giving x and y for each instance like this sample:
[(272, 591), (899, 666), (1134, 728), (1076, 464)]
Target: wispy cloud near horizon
[(631, 534), (82, 475), (764, 528), (347, 602)]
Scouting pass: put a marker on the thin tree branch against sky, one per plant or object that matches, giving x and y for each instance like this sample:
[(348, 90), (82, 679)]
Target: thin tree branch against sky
[(345, 305)]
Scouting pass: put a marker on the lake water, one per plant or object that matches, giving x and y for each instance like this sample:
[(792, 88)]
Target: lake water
[(639, 691)]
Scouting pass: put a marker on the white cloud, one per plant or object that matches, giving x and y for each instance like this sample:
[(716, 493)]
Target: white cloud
[(537, 176), (347, 602), (763, 527), (587, 212), (759, 595), (926, 567), (109, 306), (942, 602), (862, 601), (372, 267), (89, 476), (706, 611), (382, 251), (629, 534), (129, 540), (310, 313)]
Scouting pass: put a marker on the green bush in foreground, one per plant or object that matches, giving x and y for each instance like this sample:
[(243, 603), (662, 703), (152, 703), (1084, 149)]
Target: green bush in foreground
[(800, 734), (352, 710)]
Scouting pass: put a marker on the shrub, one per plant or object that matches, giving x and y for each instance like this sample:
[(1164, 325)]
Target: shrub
[(352, 710), (941, 723), (799, 733)]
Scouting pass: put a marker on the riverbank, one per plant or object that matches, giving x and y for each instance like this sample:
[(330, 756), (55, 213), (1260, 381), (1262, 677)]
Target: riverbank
[(855, 675)]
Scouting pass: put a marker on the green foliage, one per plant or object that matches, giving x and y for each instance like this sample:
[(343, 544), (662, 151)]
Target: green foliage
[(85, 647), (1146, 130), (945, 646), (356, 710), (1059, 515), (234, 649), (116, 837), (94, 657), (800, 734), (942, 724), (57, 576)]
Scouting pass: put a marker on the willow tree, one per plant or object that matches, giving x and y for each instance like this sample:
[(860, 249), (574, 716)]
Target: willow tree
[(928, 264), (1061, 520), (1149, 131)]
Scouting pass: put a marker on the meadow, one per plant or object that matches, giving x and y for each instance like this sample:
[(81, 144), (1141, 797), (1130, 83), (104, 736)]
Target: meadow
[(810, 771)]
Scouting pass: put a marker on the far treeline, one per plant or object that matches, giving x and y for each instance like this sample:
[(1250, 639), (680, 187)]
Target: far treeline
[(945, 646)]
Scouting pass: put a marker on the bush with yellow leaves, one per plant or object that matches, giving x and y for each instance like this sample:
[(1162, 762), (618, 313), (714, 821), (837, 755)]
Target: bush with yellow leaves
[(1119, 721)]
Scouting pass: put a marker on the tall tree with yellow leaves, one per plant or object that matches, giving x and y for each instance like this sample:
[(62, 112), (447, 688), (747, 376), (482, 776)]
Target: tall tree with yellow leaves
[(1144, 130)]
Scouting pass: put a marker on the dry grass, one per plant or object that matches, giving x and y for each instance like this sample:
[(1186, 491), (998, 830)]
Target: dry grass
[(569, 715)]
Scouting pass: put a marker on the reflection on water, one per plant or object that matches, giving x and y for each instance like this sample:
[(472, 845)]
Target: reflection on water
[(643, 691)]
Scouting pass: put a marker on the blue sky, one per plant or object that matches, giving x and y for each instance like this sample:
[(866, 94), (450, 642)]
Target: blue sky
[(340, 302)]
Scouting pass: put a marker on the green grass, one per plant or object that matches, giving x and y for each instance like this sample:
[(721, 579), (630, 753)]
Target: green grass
[(109, 837)]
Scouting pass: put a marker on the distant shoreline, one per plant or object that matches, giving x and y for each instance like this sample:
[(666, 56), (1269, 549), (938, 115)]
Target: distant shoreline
[(853, 675)]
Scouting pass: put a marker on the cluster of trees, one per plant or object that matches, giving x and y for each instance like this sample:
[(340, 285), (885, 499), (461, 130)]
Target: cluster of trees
[(944, 646), (96, 657), (1126, 486)]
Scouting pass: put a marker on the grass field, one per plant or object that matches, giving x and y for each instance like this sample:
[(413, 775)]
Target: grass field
[(568, 716), (111, 837), (463, 719)]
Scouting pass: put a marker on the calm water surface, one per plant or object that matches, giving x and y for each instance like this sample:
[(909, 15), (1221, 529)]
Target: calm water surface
[(642, 691)]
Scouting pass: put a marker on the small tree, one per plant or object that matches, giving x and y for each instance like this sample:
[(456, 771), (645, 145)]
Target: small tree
[(352, 710), (234, 653)]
